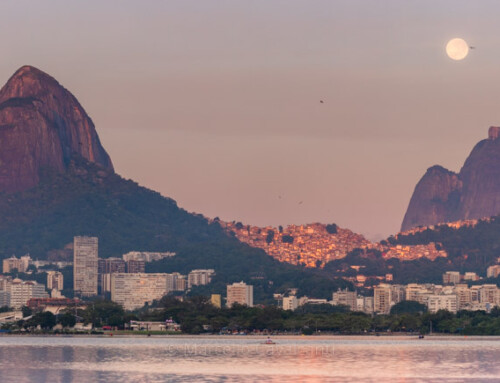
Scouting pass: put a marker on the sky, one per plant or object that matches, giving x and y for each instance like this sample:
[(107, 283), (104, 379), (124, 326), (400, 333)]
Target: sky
[(217, 104)]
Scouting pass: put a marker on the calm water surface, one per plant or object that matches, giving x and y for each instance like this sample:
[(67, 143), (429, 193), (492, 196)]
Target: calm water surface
[(245, 359)]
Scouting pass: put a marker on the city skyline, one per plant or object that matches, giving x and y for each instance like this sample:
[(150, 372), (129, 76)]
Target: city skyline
[(272, 113)]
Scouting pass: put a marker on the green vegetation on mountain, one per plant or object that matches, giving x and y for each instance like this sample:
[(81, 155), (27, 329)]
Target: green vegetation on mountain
[(331, 228), (88, 200), (469, 248), (373, 264)]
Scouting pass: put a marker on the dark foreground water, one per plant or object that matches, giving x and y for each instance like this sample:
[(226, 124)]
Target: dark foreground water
[(244, 359)]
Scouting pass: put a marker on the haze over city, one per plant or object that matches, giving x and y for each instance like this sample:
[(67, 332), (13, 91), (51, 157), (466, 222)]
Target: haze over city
[(272, 112)]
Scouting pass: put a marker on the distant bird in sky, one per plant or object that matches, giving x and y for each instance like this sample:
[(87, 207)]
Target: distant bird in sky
[(300, 203), (321, 102), (471, 47)]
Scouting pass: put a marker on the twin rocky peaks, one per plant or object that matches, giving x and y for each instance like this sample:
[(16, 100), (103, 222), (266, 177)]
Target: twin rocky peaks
[(473, 193), (42, 125)]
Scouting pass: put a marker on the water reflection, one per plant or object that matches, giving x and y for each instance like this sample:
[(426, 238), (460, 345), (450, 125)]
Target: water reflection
[(245, 359)]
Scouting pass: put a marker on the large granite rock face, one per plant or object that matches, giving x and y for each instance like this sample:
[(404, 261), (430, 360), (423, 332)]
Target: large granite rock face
[(42, 125), (434, 196), (444, 196)]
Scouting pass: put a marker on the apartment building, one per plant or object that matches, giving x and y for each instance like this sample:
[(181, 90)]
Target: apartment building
[(200, 277), (85, 266), (55, 280), (240, 293), (133, 291)]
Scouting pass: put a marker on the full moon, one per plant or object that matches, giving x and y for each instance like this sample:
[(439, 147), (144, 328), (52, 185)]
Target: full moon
[(457, 49)]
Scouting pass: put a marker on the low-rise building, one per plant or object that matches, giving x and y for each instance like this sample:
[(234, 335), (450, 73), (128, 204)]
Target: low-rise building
[(10, 316), (168, 325), (55, 305)]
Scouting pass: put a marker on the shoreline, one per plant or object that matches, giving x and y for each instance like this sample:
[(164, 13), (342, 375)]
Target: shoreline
[(394, 337)]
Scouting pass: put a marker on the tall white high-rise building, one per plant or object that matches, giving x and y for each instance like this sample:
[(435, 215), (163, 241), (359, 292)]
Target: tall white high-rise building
[(240, 293), (85, 261), (382, 298)]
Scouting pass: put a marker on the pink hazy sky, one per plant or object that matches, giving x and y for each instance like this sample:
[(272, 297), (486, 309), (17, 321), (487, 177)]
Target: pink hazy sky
[(217, 103)]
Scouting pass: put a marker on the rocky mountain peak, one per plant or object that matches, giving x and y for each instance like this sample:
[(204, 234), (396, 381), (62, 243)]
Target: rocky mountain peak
[(443, 196), (42, 125), (29, 81)]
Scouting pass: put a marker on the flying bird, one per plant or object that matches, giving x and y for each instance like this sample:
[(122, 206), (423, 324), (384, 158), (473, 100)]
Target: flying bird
[(321, 102)]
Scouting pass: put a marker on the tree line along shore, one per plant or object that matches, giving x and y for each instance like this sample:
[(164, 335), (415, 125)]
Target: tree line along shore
[(196, 315)]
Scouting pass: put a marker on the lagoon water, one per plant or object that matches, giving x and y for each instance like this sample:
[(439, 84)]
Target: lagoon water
[(245, 359)]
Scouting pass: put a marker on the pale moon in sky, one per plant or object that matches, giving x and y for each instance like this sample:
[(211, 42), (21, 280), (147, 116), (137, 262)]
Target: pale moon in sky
[(457, 49)]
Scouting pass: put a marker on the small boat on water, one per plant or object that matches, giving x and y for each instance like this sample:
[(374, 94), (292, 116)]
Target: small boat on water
[(268, 341)]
